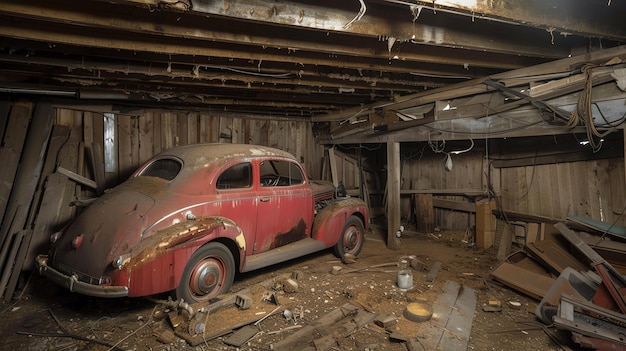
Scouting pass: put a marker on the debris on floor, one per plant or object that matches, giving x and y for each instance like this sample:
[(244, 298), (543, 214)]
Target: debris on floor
[(576, 272)]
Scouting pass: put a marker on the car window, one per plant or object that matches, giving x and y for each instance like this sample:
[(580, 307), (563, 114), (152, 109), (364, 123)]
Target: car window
[(165, 168), (236, 177), (280, 173)]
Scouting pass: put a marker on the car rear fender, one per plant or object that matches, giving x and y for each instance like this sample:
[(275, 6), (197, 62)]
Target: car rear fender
[(168, 251), (330, 220)]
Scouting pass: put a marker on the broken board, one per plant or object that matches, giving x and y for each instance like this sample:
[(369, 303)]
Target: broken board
[(241, 336), (453, 315)]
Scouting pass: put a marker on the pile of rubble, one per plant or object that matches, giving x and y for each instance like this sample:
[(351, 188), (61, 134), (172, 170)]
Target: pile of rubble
[(576, 272)]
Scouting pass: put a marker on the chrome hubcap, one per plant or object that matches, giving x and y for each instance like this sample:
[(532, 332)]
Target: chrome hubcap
[(207, 277)]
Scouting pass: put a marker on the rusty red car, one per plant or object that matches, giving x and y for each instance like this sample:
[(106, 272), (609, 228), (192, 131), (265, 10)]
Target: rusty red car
[(193, 216)]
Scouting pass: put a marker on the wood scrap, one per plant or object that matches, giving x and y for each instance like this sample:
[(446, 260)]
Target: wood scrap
[(434, 270), (327, 327), (77, 178)]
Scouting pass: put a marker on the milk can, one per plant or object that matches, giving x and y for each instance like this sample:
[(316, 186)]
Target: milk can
[(405, 276)]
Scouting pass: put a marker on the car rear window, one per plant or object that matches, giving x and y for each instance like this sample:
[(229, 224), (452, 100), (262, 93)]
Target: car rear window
[(165, 168)]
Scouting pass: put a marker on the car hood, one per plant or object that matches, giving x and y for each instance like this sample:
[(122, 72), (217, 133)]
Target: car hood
[(322, 190), (109, 227)]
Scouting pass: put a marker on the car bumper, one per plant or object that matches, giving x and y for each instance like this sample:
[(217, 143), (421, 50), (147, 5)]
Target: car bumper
[(74, 285)]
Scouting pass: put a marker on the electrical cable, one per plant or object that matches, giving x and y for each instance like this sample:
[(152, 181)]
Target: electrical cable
[(281, 75)]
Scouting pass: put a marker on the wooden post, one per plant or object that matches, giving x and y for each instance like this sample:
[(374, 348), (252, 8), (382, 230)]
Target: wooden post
[(425, 214), (393, 194)]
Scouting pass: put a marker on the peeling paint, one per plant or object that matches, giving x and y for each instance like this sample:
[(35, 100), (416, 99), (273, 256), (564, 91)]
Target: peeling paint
[(174, 236), (241, 241)]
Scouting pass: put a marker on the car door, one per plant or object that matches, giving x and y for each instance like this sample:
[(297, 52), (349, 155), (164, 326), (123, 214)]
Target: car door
[(237, 199), (285, 209)]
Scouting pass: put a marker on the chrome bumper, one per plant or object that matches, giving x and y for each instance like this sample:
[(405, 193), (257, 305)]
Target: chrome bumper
[(74, 285)]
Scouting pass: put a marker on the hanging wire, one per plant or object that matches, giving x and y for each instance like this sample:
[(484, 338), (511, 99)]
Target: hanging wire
[(436, 145), (583, 113), (358, 16)]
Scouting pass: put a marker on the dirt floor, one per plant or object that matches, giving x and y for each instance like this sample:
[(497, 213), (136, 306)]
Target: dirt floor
[(47, 317)]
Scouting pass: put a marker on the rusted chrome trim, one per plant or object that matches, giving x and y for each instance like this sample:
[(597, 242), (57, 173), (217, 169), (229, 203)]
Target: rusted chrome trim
[(74, 285)]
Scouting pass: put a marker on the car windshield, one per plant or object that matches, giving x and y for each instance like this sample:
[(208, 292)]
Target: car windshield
[(165, 168)]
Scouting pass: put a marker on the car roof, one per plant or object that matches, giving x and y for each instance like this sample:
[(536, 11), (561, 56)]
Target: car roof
[(217, 151)]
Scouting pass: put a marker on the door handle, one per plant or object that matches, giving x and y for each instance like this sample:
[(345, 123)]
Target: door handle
[(265, 199)]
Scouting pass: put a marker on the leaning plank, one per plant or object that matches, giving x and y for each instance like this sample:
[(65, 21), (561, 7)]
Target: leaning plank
[(15, 243), (9, 160), (5, 107), (77, 177), (97, 160), (334, 176), (52, 215), (18, 264), (57, 139), (11, 150), (29, 172)]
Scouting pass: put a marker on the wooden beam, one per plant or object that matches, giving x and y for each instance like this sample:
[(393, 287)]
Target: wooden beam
[(464, 192), (393, 194), (593, 19), (583, 155), (454, 205), (475, 86), (378, 19)]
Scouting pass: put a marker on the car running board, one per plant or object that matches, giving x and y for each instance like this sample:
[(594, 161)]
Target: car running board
[(283, 253)]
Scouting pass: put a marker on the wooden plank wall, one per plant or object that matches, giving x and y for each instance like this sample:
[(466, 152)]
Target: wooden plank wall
[(593, 188), (139, 137), (423, 169)]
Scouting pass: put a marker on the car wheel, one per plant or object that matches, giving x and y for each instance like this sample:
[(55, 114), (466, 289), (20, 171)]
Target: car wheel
[(209, 272), (352, 237)]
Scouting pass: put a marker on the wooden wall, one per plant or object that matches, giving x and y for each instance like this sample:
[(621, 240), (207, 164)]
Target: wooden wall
[(422, 169), (549, 176), (140, 136)]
